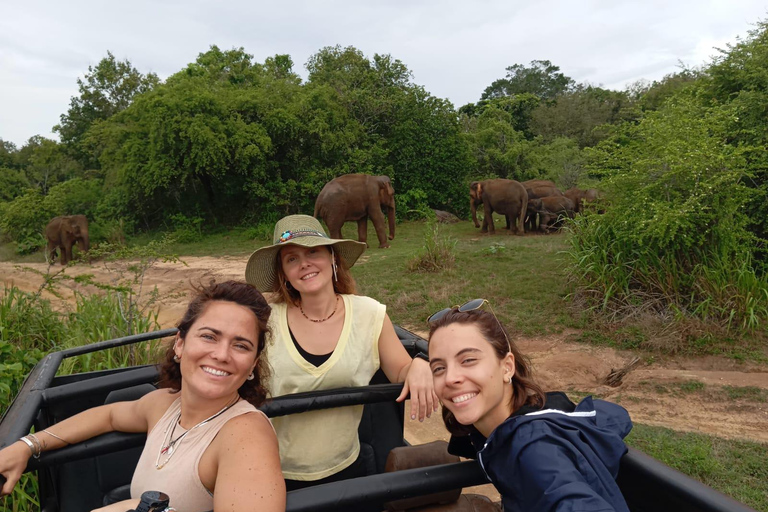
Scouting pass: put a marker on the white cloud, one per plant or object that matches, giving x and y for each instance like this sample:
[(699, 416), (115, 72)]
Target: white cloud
[(454, 48)]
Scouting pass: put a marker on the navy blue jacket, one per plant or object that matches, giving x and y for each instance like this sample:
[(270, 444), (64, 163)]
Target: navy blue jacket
[(559, 458)]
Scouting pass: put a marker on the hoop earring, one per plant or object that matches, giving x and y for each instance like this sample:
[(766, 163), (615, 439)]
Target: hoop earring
[(176, 359), (250, 377), (333, 265)]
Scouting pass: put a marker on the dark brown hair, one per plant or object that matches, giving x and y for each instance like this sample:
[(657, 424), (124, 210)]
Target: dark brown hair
[(237, 292), (525, 391), (284, 292)]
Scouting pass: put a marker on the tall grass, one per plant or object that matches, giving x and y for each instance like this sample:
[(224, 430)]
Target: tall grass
[(622, 278), (30, 327)]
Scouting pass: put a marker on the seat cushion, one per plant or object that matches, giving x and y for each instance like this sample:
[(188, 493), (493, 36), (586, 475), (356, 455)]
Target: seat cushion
[(419, 456)]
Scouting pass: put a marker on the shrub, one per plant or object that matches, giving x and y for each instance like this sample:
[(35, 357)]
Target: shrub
[(674, 240), (439, 252), (76, 196), (23, 220)]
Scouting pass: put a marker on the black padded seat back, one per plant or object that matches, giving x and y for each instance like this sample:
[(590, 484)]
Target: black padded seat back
[(380, 430), (115, 470)]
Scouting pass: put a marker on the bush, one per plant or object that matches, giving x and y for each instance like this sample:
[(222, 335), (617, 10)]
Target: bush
[(675, 238), (74, 197), (23, 221), (439, 251), (186, 229)]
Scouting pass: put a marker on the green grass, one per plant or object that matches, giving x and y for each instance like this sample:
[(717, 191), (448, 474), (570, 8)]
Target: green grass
[(735, 468), (521, 276)]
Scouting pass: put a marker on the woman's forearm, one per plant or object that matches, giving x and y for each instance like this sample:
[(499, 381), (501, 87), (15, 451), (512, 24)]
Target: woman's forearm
[(77, 428)]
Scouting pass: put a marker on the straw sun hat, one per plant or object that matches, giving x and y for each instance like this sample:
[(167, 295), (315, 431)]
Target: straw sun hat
[(302, 230)]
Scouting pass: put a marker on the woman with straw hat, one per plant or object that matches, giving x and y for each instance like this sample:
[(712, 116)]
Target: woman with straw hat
[(324, 336)]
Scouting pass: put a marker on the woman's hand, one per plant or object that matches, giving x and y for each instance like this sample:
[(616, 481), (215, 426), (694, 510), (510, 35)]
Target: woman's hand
[(418, 382), (13, 462)]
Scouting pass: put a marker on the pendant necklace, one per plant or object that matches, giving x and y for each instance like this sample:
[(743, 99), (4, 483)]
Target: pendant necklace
[(322, 319), (170, 444)]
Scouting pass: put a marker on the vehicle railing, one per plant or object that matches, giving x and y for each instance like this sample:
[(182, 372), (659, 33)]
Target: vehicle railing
[(279, 406), (384, 487), (17, 420)]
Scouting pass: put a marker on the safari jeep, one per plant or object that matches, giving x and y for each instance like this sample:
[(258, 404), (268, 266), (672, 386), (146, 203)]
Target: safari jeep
[(78, 478)]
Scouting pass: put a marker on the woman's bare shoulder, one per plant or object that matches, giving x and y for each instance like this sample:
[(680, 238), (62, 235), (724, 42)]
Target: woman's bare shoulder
[(251, 428), (155, 403)]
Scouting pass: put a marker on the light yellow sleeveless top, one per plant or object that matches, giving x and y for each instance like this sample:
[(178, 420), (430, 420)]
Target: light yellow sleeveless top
[(317, 444), (179, 478)]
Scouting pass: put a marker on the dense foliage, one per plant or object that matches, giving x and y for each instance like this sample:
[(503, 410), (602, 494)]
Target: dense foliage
[(231, 141)]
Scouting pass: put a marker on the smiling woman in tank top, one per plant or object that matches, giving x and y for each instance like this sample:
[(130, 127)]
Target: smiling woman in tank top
[(207, 447), (324, 336)]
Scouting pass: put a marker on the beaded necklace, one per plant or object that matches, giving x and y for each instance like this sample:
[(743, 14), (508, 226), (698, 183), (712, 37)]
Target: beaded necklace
[(170, 444), (322, 319)]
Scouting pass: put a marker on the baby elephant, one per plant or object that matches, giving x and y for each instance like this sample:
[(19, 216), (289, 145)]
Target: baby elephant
[(63, 232), (550, 209)]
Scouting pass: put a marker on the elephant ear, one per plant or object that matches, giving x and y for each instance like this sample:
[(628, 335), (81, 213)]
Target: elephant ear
[(385, 189)]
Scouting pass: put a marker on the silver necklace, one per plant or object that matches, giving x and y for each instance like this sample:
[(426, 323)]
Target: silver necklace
[(322, 319), (170, 444)]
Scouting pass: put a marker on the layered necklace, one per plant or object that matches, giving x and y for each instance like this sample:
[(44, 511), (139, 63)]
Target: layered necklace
[(335, 307), (170, 444)]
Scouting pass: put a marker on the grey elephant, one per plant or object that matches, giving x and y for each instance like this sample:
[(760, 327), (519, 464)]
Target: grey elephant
[(506, 197), (550, 209), (581, 198), (356, 197), (63, 233)]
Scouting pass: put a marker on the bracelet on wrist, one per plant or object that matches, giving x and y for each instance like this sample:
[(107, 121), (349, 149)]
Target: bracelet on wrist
[(34, 447)]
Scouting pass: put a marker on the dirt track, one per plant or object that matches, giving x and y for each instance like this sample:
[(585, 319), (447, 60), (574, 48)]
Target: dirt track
[(558, 363)]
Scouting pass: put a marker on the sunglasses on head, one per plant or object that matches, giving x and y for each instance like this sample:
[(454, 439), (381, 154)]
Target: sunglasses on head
[(469, 306)]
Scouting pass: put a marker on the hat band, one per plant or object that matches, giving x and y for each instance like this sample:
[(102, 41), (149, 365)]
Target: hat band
[(290, 235)]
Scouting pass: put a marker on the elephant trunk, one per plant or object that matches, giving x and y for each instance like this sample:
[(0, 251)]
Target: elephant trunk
[(473, 208), (391, 219)]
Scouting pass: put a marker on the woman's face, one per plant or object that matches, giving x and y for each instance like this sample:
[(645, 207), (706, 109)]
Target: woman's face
[(220, 350), (470, 380), (308, 269)]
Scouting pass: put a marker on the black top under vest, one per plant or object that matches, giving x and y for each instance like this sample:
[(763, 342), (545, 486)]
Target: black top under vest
[(313, 359)]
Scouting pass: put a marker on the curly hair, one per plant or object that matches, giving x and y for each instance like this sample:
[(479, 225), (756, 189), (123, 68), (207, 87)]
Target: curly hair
[(525, 391), (284, 292), (245, 295)]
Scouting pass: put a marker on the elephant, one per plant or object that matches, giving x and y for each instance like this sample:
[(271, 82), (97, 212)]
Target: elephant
[(581, 197), (538, 183), (357, 197), (506, 197), (536, 190), (550, 209), (63, 232)]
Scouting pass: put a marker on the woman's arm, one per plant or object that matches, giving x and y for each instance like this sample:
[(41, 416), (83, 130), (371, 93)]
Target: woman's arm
[(415, 373), (119, 416), (248, 476)]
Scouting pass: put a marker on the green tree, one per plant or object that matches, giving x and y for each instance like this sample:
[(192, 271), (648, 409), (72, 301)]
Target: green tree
[(105, 90), (8, 154), (738, 77), (46, 163), (13, 183), (580, 113), (541, 78)]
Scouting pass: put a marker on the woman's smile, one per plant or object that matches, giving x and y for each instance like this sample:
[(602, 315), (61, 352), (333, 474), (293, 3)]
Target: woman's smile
[(469, 378)]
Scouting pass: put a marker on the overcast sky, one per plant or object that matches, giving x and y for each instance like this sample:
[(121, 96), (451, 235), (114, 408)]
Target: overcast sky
[(454, 48)]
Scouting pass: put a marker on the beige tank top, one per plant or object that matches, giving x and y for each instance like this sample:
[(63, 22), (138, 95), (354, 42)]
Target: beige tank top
[(180, 478)]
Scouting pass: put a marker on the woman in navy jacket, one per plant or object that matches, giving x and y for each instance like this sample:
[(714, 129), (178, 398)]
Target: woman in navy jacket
[(541, 451)]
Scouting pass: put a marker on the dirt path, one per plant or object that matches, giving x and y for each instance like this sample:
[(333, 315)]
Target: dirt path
[(651, 393)]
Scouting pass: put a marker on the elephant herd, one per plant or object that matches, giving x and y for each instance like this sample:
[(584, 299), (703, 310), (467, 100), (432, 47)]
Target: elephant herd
[(527, 206), (357, 197), (522, 203)]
